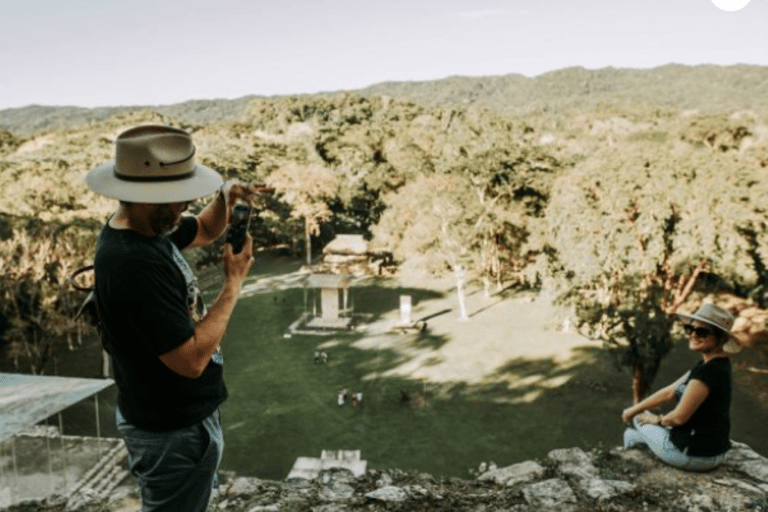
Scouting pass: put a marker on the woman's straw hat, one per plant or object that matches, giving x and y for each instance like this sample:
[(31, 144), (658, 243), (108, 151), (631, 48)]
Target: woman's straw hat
[(154, 164), (716, 317)]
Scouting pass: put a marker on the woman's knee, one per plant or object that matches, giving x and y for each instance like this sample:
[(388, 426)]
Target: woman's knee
[(632, 438)]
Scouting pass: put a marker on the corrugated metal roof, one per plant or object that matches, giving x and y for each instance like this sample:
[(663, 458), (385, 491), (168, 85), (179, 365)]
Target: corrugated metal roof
[(26, 400)]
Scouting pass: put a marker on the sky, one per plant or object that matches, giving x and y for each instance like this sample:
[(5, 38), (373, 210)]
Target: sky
[(157, 52)]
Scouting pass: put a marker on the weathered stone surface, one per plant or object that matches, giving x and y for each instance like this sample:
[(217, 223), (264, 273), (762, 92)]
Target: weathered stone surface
[(635, 457), (517, 473), (553, 494), (265, 508), (638, 481), (697, 503), (122, 492), (734, 494), (747, 460), (573, 462), (384, 480), (389, 494), (328, 507), (417, 492), (601, 490), (82, 499), (243, 486), (756, 469), (732, 482), (335, 484)]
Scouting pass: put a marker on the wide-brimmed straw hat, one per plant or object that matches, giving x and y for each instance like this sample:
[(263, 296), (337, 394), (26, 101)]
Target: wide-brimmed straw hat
[(716, 317), (154, 164)]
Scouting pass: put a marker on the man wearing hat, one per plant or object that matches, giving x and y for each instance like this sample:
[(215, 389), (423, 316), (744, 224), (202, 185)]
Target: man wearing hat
[(695, 434), (164, 343)]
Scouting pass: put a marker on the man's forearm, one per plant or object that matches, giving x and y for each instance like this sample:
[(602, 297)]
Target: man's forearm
[(191, 358), (215, 216), (210, 330)]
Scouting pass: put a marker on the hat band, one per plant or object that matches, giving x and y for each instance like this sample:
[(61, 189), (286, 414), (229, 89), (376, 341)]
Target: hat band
[(163, 164), (174, 177)]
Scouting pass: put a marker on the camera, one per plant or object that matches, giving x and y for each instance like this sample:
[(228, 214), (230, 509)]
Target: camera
[(238, 227)]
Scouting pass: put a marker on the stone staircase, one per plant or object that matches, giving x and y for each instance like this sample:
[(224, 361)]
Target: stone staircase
[(308, 468)]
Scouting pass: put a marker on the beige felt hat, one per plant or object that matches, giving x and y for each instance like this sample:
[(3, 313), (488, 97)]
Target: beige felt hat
[(154, 164), (716, 317)]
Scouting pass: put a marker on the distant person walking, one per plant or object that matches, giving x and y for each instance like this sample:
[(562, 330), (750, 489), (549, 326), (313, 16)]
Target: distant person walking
[(695, 435), (164, 344)]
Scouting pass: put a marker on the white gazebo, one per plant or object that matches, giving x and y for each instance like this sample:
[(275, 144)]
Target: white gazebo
[(335, 311)]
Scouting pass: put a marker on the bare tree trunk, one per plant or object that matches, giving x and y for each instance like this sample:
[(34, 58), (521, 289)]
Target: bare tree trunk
[(460, 275), (496, 267), (486, 286), (487, 267), (685, 287), (308, 236), (639, 386)]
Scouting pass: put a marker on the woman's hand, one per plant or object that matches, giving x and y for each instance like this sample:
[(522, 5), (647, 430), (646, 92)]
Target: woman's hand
[(627, 415), (648, 418)]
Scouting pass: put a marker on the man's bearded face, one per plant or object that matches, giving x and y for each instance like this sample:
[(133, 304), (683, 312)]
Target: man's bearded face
[(167, 217)]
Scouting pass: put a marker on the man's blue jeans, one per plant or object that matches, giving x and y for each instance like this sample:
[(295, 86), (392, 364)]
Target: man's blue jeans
[(176, 470), (657, 439)]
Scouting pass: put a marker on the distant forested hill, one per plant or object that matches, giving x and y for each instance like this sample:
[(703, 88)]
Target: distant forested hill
[(707, 88), (39, 118)]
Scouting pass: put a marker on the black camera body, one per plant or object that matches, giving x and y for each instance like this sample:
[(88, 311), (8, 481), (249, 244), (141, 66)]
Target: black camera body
[(238, 227)]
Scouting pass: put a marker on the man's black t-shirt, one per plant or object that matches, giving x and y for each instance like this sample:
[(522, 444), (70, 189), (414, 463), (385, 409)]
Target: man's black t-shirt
[(707, 432), (148, 304)]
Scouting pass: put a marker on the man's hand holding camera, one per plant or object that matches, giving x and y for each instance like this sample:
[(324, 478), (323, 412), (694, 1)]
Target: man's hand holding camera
[(236, 266), (238, 246)]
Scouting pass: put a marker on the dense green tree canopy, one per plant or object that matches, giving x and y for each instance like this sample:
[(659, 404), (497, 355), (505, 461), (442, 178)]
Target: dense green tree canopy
[(619, 204)]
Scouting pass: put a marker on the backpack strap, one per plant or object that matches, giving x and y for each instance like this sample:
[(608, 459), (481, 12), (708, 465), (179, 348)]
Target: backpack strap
[(89, 306), (76, 273)]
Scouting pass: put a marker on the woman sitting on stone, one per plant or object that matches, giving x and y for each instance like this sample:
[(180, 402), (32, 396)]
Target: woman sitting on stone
[(695, 434)]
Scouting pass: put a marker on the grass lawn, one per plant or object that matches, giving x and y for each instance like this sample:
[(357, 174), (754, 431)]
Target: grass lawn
[(496, 388), (283, 405), (506, 386)]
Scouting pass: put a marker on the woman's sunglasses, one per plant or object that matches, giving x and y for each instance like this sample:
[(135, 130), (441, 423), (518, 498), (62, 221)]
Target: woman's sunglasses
[(700, 332)]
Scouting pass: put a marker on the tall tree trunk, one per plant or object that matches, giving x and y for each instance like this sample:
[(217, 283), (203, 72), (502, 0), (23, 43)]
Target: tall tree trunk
[(639, 386), (460, 275), (486, 286), (486, 266), (308, 236)]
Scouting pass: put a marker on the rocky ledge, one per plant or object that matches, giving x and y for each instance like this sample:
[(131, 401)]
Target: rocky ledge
[(567, 480)]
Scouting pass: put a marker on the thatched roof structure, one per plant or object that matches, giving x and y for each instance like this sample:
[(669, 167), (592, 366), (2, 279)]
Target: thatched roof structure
[(348, 245)]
